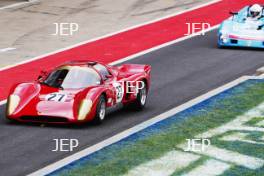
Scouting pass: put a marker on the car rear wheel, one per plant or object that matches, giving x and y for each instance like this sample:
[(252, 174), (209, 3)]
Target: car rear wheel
[(100, 110), (141, 99)]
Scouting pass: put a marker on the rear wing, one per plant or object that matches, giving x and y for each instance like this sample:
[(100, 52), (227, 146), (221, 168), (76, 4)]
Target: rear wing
[(135, 68)]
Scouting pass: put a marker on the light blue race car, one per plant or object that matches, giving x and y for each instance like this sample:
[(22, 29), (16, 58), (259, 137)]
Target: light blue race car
[(240, 31)]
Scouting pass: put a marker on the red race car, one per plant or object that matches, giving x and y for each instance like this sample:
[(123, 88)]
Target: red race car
[(79, 91)]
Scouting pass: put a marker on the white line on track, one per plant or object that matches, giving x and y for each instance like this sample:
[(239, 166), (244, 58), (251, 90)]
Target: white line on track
[(6, 49), (166, 165), (233, 157), (242, 137), (206, 169), (261, 123), (19, 4)]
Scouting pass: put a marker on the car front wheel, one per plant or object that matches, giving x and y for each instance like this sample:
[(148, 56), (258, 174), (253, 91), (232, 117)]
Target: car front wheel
[(100, 110)]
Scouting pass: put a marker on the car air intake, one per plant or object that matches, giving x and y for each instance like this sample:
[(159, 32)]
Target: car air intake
[(233, 41), (44, 119)]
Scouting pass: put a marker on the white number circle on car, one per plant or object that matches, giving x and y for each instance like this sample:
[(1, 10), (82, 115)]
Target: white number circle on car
[(119, 91), (56, 97)]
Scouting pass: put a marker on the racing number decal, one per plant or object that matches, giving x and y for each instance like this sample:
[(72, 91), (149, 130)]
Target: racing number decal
[(119, 91), (56, 97)]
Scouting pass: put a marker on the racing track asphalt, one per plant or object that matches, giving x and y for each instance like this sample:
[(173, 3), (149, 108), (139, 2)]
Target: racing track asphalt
[(180, 72)]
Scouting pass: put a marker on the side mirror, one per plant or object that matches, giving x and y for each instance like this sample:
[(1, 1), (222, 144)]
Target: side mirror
[(42, 75)]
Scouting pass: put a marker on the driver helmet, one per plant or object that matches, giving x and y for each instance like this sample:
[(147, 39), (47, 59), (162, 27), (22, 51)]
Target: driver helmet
[(255, 11)]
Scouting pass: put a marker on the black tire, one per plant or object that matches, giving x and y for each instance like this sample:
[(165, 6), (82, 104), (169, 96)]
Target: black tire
[(218, 43), (141, 99), (219, 46), (100, 111), (11, 121)]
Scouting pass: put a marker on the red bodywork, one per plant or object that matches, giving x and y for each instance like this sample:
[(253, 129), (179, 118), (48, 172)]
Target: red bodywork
[(34, 107)]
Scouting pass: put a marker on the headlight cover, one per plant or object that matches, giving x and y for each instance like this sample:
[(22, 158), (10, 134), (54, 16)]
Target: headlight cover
[(84, 109), (13, 102), (224, 37)]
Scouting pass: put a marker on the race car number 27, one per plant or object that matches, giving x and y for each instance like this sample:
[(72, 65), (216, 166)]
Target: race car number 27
[(119, 92), (56, 97)]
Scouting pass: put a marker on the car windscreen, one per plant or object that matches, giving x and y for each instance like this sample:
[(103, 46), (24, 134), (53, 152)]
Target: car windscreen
[(73, 78)]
